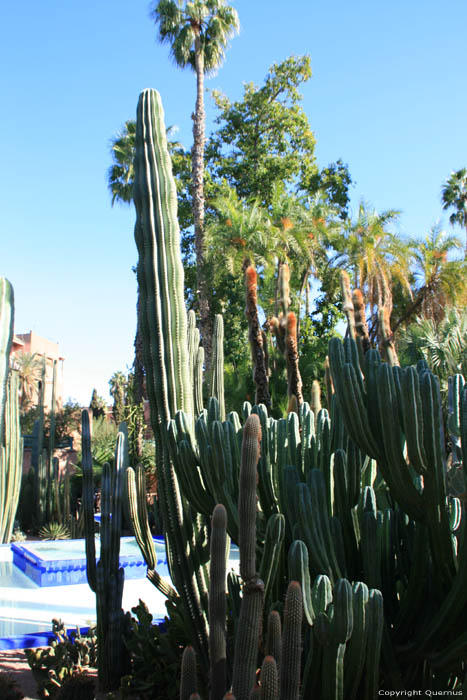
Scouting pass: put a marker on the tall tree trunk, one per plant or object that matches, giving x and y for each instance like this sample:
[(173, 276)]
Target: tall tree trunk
[(198, 205)]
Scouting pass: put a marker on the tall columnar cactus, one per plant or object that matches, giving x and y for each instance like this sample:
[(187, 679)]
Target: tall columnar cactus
[(11, 460), (7, 314), (106, 578), (11, 451), (251, 611), (218, 604), (165, 349), (217, 364)]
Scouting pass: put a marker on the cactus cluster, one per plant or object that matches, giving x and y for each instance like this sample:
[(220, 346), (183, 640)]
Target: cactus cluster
[(350, 502)]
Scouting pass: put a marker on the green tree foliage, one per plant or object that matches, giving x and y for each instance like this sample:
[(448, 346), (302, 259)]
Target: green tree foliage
[(441, 344), (118, 389), (440, 281), (266, 138), (454, 196), (67, 421), (97, 405), (120, 175), (376, 257), (29, 367)]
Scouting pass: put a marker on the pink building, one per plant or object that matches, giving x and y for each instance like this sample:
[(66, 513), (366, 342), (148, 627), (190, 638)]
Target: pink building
[(42, 347)]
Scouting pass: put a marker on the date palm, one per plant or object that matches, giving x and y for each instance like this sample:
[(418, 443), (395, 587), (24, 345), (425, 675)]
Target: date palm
[(29, 367), (454, 196), (376, 256), (442, 281), (198, 34)]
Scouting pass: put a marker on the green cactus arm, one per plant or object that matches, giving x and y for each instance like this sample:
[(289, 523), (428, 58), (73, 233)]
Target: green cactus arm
[(188, 677), (269, 679), (247, 497), (88, 501), (217, 364), (7, 314), (355, 652), (374, 640), (11, 460), (298, 569), (273, 541), (160, 270), (218, 604), (274, 637)]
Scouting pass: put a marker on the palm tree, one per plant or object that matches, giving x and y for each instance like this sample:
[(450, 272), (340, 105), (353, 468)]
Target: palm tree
[(442, 344), (29, 368), (454, 195), (442, 282), (198, 34), (120, 175), (377, 257), (118, 387), (238, 235)]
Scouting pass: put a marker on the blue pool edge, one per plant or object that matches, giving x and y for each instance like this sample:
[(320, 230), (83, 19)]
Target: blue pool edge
[(44, 639)]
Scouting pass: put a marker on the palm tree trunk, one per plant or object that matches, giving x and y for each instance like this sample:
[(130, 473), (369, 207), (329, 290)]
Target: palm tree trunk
[(198, 203)]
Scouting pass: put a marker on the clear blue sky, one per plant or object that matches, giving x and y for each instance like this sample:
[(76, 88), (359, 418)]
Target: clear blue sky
[(388, 96)]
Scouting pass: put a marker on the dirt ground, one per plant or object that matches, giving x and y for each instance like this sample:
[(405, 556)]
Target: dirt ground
[(14, 662)]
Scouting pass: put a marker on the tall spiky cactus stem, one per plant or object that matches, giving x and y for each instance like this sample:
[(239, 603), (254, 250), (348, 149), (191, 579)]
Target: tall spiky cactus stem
[(257, 339), (269, 679), (361, 325), (188, 681), (88, 501), (165, 348), (217, 364), (106, 578), (251, 611), (274, 637), (160, 270), (218, 603), (7, 314), (11, 460), (11, 453), (347, 303), (291, 356), (247, 497), (291, 643)]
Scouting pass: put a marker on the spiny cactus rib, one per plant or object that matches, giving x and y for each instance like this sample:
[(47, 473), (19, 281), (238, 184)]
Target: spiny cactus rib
[(88, 501), (269, 679), (11, 460), (157, 237), (291, 643), (274, 637), (217, 364), (7, 313), (251, 611), (247, 497), (218, 604), (188, 681)]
